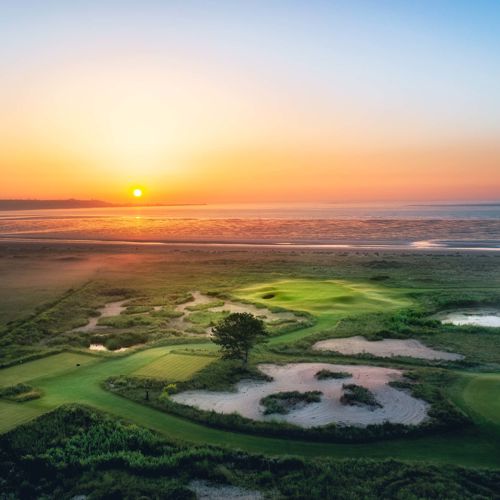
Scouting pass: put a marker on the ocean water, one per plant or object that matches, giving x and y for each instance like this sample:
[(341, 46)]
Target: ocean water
[(470, 226)]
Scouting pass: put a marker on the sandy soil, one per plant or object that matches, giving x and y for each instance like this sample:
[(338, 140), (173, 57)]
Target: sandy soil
[(101, 347), (110, 309), (210, 491), (474, 317), (384, 348), (397, 406)]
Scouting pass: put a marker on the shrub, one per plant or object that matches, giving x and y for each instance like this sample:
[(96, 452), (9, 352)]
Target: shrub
[(327, 374), (358, 395), (20, 393), (284, 402)]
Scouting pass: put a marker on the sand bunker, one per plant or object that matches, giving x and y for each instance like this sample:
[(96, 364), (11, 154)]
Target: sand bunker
[(210, 491), (102, 347), (229, 306), (384, 348), (397, 406), (473, 317), (110, 309)]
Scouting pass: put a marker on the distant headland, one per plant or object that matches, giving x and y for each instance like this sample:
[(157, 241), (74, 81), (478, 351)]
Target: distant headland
[(29, 204)]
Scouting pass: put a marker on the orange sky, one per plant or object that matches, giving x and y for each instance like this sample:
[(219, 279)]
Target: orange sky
[(236, 109)]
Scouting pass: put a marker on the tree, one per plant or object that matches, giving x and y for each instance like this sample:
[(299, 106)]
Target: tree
[(237, 334)]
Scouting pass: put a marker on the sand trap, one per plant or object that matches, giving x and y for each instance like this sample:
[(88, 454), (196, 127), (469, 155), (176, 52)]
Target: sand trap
[(473, 317), (210, 491), (397, 406), (110, 309), (384, 348), (199, 298), (102, 347)]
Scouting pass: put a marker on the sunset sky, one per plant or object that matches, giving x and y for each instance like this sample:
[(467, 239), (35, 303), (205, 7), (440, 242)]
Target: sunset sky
[(224, 101)]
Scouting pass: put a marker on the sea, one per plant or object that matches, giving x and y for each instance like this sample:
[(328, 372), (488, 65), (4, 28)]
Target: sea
[(469, 226)]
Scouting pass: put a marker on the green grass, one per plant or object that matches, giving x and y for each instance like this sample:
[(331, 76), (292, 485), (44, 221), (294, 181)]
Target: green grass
[(479, 395), (174, 367), (326, 300), (325, 294), (13, 414), (472, 447), (51, 366)]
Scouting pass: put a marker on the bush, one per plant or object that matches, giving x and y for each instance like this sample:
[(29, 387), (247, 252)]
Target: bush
[(358, 395), (284, 402), (328, 374), (20, 393)]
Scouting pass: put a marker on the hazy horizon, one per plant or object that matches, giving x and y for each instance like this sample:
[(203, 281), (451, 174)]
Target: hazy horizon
[(221, 102)]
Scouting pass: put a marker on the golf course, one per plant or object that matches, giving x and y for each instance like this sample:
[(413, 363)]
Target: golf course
[(78, 377), (128, 348)]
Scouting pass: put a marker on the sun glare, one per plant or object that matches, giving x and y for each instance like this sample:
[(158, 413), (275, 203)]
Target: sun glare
[(137, 192)]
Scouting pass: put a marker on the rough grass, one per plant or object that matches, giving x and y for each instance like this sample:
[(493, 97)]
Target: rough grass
[(175, 367), (20, 393)]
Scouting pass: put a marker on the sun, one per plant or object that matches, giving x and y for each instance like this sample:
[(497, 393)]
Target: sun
[(137, 192)]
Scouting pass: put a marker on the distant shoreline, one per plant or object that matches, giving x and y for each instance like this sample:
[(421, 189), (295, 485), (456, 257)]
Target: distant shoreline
[(430, 245), (12, 205)]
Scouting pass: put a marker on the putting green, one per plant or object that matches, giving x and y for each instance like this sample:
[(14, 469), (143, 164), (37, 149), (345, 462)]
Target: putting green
[(326, 300), (479, 394)]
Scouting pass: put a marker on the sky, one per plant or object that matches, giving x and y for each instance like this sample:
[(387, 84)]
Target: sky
[(250, 101)]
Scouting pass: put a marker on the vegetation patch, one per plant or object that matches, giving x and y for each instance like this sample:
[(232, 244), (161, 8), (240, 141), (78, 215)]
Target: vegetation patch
[(205, 306), (358, 395), (81, 452), (20, 393), (285, 402), (329, 374)]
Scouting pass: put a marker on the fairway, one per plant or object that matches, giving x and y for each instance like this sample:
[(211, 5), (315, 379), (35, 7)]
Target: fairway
[(14, 414), (44, 367), (175, 367)]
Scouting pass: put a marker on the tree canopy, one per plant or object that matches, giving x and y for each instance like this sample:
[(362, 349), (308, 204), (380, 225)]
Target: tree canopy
[(237, 333)]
